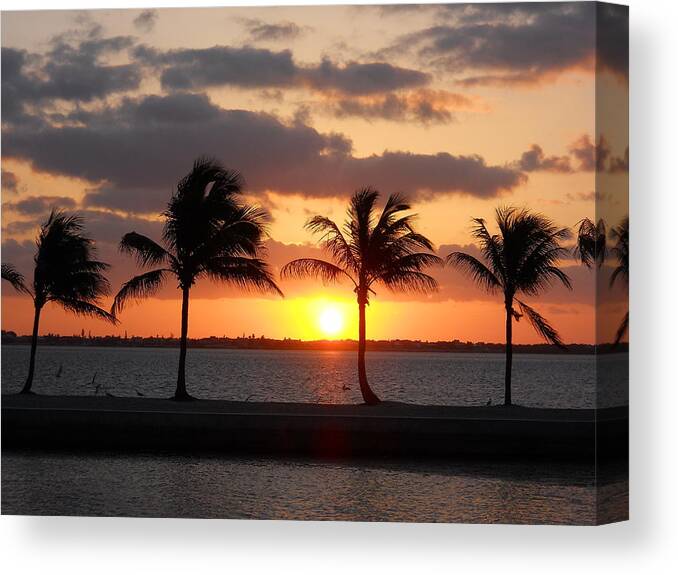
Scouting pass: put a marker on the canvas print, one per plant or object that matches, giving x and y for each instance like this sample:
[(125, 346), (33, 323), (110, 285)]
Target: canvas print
[(363, 263)]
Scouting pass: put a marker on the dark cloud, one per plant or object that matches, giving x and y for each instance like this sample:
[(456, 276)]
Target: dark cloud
[(10, 182), (520, 44), (221, 66), (534, 160), (392, 107), (250, 67), (612, 39), (39, 205), (263, 31), (424, 106), (590, 156), (145, 22), (134, 153), (619, 164), (359, 79), (69, 72)]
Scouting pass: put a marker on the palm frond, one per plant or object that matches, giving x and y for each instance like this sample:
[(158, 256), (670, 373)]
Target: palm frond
[(246, 273), (333, 241), (65, 264), (591, 246), (620, 234), (139, 287), (311, 267), (409, 281), (541, 326), (491, 247), (144, 250), (81, 307), (15, 278), (476, 269), (623, 328)]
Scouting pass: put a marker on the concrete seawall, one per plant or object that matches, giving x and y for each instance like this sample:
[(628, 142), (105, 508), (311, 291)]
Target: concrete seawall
[(393, 429)]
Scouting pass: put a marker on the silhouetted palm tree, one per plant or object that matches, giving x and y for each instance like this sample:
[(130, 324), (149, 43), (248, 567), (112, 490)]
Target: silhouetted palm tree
[(620, 235), (592, 247), (522, 258), (208, 233), (66, 273), (370, 250)]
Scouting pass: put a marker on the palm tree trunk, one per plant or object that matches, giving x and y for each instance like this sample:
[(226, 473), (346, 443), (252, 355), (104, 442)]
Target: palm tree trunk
[(181, 393), (369, 396), (509, 352), (34, 347)]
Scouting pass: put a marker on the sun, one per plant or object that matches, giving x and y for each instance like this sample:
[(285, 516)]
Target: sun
[(330, 321)]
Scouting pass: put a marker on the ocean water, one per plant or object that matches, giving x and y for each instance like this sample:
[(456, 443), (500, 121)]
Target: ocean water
[(180, 485), (558, 381)]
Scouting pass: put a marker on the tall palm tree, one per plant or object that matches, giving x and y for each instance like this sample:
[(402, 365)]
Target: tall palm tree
[(66, 273), (521, 259), (592, 248), (208, 233), (370, 250)]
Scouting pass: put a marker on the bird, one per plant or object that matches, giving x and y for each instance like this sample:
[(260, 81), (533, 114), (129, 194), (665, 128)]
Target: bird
[(139, 393), (489, 401)]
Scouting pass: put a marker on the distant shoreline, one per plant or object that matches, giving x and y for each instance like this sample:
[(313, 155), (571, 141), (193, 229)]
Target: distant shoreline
[(261, 343)]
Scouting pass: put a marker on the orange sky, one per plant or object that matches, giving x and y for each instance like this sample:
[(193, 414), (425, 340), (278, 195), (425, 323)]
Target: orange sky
[(311, 102)]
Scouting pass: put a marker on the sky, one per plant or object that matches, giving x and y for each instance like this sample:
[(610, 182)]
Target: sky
[(462, 107)]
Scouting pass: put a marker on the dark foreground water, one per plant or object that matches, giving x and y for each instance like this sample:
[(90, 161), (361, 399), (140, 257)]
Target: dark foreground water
[(166, 485), (558, 381)]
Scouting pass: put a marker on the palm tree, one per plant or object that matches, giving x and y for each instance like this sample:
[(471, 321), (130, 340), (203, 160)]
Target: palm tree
[(521, 259), (66, 273), (592, 247), (208, 233), (620, 235), (369, 251)]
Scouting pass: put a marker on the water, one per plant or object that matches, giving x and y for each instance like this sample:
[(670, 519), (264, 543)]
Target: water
[(559, 381), (168, 485), (172, 485)]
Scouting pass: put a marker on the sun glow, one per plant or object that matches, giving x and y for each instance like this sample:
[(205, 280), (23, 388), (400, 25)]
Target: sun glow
[(331, 321)]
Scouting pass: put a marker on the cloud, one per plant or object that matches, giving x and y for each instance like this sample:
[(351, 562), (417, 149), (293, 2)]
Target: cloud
[(584, 156), (534, 160), (134, 153), (10, 182), (245, 67), (612, 39), (510, 44), (591, 157), (145, 21), (68, 72), (424, 106), (619, 164), (359, 79), (38, 205), (249, 67), (261, 31)]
